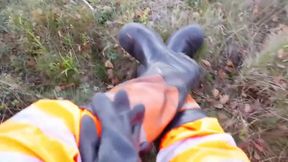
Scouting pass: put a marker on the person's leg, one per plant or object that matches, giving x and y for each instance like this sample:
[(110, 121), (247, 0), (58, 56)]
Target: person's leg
[(164, 83), (187, 40), (191, 136)]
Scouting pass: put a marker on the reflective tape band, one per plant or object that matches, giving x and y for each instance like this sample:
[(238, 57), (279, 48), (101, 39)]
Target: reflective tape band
[(16, 157), (51, 126), (172, 151)]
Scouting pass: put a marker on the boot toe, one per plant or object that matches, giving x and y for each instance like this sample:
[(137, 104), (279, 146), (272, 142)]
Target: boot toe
[(187, 40), (140, 42)]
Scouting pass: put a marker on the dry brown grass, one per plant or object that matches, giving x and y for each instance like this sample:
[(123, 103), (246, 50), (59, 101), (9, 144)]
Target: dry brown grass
[(58, 49)]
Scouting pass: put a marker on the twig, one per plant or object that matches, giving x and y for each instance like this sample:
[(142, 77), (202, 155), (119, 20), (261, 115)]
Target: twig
[(6, 83), (89, 6)]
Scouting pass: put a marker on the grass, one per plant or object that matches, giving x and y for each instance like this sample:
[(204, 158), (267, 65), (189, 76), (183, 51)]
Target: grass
[(61, 49), (263, 79)]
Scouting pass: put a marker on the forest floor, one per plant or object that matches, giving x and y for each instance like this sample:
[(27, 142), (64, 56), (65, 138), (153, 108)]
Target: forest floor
[(67, 49)]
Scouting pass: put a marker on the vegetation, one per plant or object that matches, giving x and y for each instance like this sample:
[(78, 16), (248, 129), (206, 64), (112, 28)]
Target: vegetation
[(68, 49)]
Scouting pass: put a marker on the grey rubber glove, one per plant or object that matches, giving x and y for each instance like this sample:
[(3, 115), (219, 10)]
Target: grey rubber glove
[(119, 140)]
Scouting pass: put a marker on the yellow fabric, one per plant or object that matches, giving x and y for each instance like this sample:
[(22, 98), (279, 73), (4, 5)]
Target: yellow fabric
[(201, 127), (216, 151), (32, 139), (204, 151), (64, 110)]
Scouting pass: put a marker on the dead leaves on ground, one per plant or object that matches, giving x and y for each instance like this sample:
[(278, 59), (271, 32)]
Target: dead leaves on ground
[(109, 65), (215, 93), (111, 74), (224, 99), (206, 63), (219, 100), (282, 55)]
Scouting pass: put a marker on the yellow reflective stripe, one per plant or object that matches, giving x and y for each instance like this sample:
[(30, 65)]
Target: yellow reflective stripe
[(201, 127), (199, 141), (16, 157), (216, 151), (172, 151), (7, 141), (29, 139), (65, 110), (49, 125), (68, 112)]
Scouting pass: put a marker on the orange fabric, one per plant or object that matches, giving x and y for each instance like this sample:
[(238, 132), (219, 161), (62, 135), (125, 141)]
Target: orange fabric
[(201, 127), (160, 100), (190, 103), (47, 130)]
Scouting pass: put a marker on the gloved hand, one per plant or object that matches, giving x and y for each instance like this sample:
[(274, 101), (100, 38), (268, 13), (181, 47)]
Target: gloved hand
[(120, 130), (165, 79)]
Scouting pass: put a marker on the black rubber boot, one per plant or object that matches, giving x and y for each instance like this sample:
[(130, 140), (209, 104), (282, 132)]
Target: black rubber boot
[(145, 45), (187, 40)]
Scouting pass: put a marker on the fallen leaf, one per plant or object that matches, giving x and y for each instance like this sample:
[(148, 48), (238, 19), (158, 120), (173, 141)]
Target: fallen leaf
[(282, 127), (195, 15), (281, 54), (222, 75), (275, 18), (37, 15), (108, 64), (107, 8), (206, 63), (116, 45), (234, 105), (95, 88), (281, 66), (247, 108), (256, 8), (224, 99), (78, 16), (257, 156), (215, 93), (60, 34), (110, 86), (230, 64), (218, 106), (222, 116), (280, 80), (243, 94), (110, 74), (64, 86), (31, 62), (115, 81), (57, 88)]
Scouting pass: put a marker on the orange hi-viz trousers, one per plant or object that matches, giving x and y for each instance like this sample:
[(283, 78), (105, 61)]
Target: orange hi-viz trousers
[(48, 130)]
